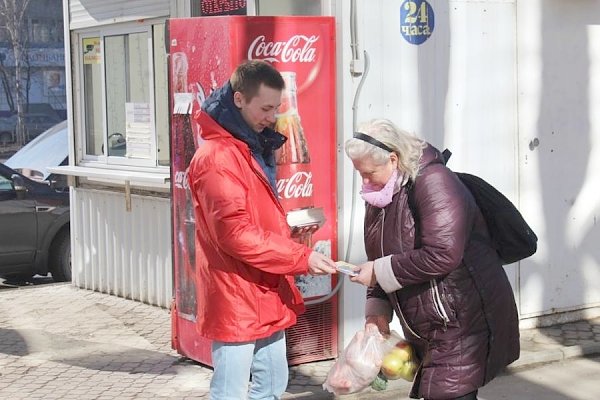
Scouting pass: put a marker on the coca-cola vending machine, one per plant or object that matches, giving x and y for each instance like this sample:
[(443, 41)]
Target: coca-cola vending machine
[(203, 52)]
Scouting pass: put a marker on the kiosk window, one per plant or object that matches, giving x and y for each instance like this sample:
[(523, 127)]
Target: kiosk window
[(124, 97)]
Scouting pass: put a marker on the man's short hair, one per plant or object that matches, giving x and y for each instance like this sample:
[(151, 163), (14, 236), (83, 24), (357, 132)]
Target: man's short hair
[(249, 75)]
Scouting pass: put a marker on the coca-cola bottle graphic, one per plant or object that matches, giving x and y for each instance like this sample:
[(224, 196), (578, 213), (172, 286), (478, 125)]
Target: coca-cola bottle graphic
[(179, 64), (183, 210), (294, 175)]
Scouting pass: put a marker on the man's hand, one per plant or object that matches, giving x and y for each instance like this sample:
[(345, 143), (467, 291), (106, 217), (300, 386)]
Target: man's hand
[(304, 234), (318, 264)]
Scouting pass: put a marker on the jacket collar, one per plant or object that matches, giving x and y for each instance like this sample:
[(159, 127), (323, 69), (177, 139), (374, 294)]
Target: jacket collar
[(430, 156), (220, 106)]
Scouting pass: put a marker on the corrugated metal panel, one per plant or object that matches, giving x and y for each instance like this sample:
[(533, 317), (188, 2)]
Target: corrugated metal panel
[(127, 254), (89, 13)]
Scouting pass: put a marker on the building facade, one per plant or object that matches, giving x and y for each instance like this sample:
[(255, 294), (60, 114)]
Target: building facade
[(491, 80), (43, 67)]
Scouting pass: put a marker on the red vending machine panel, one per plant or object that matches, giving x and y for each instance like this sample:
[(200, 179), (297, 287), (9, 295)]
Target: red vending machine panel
[(203, 52)]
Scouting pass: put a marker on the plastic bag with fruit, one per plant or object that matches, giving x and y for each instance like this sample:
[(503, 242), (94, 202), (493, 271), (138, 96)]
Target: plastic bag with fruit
[(359, 363), (400, 361)]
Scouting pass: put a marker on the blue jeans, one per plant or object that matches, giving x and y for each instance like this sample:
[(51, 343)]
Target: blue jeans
[(264, 359)]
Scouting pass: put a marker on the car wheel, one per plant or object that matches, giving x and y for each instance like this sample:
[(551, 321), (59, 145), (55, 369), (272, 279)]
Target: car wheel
[(60, 257)]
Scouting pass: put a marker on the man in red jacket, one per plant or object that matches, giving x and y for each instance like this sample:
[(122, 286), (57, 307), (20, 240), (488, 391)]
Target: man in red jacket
[(245, 257)]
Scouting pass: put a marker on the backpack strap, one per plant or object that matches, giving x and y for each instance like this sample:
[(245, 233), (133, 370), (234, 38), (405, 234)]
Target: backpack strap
[(446, 154)]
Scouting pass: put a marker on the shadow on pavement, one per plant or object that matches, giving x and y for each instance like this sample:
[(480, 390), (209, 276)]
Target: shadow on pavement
[(13, 283), (12, 343), (85, 353)]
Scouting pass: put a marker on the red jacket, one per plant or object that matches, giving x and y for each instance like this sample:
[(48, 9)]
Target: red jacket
[(245, 258)]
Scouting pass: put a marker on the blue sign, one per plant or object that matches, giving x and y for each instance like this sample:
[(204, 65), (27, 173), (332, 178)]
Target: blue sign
[(416, 21)]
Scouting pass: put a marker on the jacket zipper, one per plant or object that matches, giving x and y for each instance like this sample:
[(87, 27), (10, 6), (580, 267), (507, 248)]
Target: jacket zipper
[(401, 314), (437, 303), (381, 236)]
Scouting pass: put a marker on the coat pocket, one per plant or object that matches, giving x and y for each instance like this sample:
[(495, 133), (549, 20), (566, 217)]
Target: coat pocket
[(439, 301), (269, 307)]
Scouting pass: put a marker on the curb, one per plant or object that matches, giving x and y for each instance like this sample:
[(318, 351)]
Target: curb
[(553, 355)]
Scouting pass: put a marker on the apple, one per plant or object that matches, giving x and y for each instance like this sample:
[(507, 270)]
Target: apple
[(403, 350), (399, 362), (408, 370), (391, 366)]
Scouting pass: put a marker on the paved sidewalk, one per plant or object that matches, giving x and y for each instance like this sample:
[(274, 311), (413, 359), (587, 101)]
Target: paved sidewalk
[(60, 342)]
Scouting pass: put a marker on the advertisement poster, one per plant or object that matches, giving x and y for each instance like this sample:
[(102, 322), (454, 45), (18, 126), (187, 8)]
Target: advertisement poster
[(54, 83), (91, 51)]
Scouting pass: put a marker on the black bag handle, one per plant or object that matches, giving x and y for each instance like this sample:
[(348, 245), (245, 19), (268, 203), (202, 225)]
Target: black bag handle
[(446, 154)]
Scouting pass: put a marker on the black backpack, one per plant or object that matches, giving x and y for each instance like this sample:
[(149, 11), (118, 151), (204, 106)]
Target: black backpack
[(511, 236)]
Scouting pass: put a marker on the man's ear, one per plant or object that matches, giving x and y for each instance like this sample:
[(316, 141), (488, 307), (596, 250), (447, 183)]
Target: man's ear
[(238, 99)]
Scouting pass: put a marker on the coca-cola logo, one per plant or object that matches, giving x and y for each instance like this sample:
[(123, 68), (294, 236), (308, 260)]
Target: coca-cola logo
[(181, 180), (298, 48), (296, 186)]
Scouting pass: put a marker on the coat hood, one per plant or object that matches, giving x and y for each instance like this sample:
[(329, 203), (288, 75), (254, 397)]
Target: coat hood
[(220, 106), (430, 155)]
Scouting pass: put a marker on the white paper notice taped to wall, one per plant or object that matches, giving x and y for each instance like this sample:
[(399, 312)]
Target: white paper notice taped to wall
[(138, 130)]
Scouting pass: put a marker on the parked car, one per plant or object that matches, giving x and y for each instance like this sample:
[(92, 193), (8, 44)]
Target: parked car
[(34, 210)]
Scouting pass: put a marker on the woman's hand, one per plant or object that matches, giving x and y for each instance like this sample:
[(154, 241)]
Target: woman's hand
[(380, 321), (366, 274)]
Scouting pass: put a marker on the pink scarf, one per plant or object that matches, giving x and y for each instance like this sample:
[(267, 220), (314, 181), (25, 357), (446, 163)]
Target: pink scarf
[(383, 197)]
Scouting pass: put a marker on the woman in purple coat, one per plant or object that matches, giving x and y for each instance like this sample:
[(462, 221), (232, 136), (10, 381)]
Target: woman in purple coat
[(432, 263)]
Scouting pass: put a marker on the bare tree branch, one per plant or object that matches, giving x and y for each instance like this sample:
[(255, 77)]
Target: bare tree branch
[(12, 17)]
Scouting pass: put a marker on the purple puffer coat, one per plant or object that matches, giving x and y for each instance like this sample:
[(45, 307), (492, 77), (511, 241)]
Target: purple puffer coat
[(451, 294)]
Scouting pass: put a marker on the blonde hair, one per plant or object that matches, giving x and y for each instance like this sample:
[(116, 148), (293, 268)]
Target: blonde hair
[(407, 147)]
